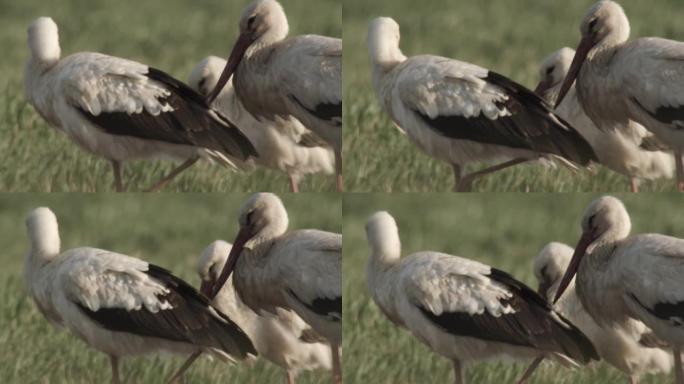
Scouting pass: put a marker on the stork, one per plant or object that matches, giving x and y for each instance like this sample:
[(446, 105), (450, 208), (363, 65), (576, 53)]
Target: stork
[(633, 356), (276, 76), (120, 305), (284, 144), (619, 82), (629, 150), (123, 110), (460, 113), (465, 310), (623, 279), (298, 270)]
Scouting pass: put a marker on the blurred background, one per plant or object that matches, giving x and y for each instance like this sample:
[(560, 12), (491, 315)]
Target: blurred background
[(169, 230), (171, 35), (509, 37), (505, 231)]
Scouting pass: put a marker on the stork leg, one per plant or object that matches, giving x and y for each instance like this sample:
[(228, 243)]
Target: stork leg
[(459, 378), (290, 377), (530, 370), (338, 170), (114, 361), (293, 184), (337, 364), (466, 183), (118, 177), (634, 379), (458, 173), (635, 185), (679, 166), (181, 371), (175, 172), (679, 375)]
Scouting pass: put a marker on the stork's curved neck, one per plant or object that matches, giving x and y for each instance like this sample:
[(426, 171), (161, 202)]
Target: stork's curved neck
[(385, 248), (45, 244), (604, 51)]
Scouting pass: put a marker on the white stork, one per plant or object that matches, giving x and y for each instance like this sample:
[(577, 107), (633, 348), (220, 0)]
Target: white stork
[(284, 144), (465, 310), (121, 305), (123, 110), (619, 81), (277, 76), (298, 270), (633, 356), (282, 338), (460, 113), (623, 279), (628, 151)]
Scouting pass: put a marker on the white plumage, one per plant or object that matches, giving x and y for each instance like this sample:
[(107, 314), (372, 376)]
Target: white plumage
[(299, 270), (621, 81), (623, 349), (123, 110), (462, 113), (623, 279), (280, 76), (280, 337), (121, 305), (462, 309), (621, 150), (283, 144)]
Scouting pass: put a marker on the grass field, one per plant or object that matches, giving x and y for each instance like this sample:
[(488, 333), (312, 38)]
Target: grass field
[(169, 230), (171, 35), (502, 230), (510, 37)]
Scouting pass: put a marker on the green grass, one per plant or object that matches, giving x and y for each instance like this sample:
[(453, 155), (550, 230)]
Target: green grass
[(510, 37), (172, 35), (502, 230), (169, 230)]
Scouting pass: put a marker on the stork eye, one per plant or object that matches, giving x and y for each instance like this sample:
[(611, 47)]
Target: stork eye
[(591, 221), (250, 21), (592, 25), (249, 217), (201, 84), (550, 70)]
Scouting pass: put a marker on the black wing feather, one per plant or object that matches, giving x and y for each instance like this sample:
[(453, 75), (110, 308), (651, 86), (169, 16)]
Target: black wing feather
[(192, 122), (531, 325), (531, 125), (331, 112), (330, 308), (189, 320)]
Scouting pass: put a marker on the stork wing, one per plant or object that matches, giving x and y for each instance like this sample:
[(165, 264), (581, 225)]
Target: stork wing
[(126, 98), (311, 73), (467, 298), (124, 294), (463, 101)]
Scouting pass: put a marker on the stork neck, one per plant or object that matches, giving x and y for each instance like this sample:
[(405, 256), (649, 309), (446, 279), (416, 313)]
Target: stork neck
[(44, 248)]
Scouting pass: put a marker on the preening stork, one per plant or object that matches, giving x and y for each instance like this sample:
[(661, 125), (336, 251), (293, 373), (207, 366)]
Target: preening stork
[(283, 144), (622, 279), (465, 310), (120, 305), (123, 110), (276, 76), (619, 81), (282, 338), (461, 113), (628, 350), (300, 270), (628, 150)]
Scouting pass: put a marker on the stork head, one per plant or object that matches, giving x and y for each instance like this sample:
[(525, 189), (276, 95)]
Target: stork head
[(43, 232), (262, 218), (383, 42), (552, 71), (205, 74), (43, 41), (605, 25), (263, 22), (383, 237), (211, 263), (550, 265), (606, 219)]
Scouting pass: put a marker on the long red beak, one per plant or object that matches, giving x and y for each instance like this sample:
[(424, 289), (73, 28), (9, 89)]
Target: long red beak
[(242, 237), (243, 42), (585, 45), (580, 251), (206, 287)]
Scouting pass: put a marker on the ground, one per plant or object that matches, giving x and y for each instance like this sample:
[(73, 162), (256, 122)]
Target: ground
[(171, 35), (169, 230), (509, 37)]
